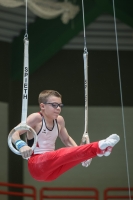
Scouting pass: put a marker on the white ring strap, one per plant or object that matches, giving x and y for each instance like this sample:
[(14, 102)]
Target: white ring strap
[(25, 81), (85, 56)]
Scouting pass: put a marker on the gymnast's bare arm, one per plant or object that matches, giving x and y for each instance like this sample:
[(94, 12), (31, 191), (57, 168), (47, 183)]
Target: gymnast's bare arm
[(63, 134), (33, 121), (67, 140)]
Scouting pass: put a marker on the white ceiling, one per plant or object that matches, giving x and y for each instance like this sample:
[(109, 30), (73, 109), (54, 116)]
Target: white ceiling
[(99, 35)]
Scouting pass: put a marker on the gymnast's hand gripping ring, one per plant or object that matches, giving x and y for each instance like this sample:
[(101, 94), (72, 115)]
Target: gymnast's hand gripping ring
[(24, 127)]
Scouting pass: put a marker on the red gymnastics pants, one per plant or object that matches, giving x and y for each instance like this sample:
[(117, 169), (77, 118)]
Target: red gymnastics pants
[(50, 165)]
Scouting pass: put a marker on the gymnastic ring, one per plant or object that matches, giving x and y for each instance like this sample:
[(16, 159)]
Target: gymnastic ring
[(21, 127)]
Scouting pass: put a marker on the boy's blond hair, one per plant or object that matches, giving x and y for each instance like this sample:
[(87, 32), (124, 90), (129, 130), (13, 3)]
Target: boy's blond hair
[(45, 94)]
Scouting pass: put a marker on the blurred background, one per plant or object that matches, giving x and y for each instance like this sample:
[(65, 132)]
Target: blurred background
[(56, 46)]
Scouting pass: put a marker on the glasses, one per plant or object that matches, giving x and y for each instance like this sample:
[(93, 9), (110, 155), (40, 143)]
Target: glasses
[(55, 105)]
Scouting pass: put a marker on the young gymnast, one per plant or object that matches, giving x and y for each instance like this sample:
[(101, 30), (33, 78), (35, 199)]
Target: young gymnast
[(46, 163)]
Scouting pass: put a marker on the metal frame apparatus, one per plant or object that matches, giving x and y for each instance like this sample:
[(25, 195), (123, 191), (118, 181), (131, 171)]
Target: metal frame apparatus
[(32, 189), (117, 193), (58, 193)]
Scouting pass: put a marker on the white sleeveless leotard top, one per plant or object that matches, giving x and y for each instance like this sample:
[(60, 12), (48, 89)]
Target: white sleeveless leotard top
[(45, 138)]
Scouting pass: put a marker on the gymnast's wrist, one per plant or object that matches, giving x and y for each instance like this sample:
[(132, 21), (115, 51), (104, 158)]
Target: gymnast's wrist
[(19, 144)]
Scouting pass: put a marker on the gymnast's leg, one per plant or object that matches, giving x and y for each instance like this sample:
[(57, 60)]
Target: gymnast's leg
[(43, 165), (50, 165)]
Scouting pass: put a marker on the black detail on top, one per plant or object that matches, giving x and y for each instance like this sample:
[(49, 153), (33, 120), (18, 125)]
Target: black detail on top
[(46, 125)]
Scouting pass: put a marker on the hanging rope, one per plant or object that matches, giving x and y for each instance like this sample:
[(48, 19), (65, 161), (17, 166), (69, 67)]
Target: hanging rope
[(85, 137), (123, 120), (85, 47), (26, 24)]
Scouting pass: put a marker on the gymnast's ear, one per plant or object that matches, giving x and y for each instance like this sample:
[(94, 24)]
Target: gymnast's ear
[(42, 106)]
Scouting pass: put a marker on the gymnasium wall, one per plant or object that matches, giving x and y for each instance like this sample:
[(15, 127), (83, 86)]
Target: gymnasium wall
[(3, 142)]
